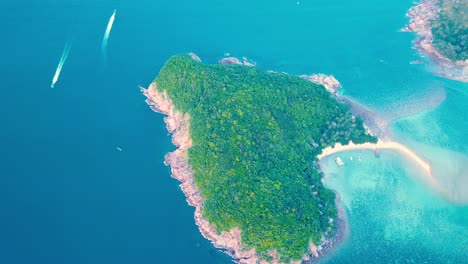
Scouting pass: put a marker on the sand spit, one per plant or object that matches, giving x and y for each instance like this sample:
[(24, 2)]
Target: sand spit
[(391, 145), (421, 16)]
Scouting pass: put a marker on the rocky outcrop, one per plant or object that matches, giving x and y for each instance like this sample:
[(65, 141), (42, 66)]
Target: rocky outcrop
[(328, 81)]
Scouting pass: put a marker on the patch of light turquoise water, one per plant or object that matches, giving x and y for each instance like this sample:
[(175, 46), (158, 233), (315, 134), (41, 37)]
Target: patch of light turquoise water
[(394, 217), (439, 135), (445, 126)]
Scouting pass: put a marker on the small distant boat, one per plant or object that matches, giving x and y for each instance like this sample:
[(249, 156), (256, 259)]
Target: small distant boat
[(339, 162), (107, 33), (119, 148), (64, 57)]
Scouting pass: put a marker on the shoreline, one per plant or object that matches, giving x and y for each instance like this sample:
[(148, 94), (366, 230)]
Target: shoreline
[(342, 232), (375, 124), (178, 125), (388, 145), (420, 23)]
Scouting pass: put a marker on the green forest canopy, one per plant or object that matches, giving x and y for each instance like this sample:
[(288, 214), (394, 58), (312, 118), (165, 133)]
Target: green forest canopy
[(450, 29), (255, 136)]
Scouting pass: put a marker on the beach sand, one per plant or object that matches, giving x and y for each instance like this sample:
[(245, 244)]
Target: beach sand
[(389, 145)]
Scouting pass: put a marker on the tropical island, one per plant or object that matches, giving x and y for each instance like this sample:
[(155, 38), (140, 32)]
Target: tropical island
[(248, 142), (442, 26)]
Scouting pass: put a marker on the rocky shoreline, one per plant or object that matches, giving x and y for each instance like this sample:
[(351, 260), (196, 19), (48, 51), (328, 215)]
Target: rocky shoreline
[(421, 16), (178, 125), (330, 83)]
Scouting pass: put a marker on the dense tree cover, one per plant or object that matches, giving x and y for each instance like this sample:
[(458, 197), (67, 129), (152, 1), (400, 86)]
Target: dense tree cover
[(450, 29), (255, 137)]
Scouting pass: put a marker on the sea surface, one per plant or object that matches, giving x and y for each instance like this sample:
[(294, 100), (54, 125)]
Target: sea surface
[(69, 195)]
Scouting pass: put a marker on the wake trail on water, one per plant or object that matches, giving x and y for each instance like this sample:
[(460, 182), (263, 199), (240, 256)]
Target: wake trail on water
[(106, 35), (64, 57)]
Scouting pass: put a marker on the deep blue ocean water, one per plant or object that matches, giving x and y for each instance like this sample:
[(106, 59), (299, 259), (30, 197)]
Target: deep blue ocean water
[(67, 195)]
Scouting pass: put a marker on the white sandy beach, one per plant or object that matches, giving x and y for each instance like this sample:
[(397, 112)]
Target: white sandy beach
[(385, 145)]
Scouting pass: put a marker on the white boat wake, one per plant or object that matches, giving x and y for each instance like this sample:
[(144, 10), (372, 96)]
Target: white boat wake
[(64, 57), (106, 34)]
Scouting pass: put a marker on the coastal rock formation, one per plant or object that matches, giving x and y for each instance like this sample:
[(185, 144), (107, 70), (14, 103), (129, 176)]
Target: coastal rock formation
[(421, 16), (230, 60), (329, 81), (178, 125)]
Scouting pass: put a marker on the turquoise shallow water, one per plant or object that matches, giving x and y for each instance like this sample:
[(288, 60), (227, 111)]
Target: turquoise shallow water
[(394, 217), (68, 196), (439, 135)]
